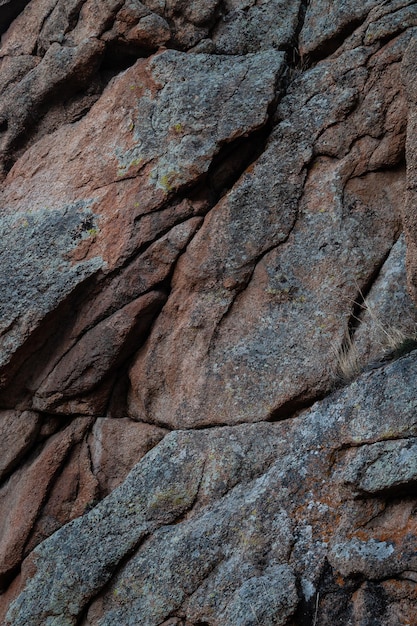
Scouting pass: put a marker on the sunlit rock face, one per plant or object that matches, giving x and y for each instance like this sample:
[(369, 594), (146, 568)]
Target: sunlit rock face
[(208, 280)]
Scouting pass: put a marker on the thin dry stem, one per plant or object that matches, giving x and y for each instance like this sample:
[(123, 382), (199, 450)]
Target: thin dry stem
[(348, 361), (393, 337), (348, 365)]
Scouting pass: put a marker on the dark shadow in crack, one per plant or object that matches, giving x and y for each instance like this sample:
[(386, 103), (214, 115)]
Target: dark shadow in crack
[(9, 10)]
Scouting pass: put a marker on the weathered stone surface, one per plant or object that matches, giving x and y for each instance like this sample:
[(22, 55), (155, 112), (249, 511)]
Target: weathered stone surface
[(409, 213), (382, 467), (76, 218), (250, 508), (75, 490), (18, 431), (23, 494), (116, 445), (243, 308), (201, 215), (252, 26), (327, 26)]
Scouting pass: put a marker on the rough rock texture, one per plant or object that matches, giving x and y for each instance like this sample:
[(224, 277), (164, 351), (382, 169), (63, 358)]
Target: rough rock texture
[(225, 519), (208, 277)]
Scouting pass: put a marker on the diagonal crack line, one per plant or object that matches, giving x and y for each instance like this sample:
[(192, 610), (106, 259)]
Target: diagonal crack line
[(114, 572), (252, 265), (355, 319), (118, 567), (40, 27)]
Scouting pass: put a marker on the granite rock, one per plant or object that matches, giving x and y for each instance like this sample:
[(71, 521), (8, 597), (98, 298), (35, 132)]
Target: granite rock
[(208, 280), (215, 521)]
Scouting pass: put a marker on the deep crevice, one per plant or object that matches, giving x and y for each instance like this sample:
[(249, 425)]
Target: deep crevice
[(230, 163), (131, 344), (73, 17), (119, 57), (405, 491), (359, 304), (9, 12), (294, 407), (39, 347), (295, 62), (117, 402), (334, 42), (331, 596), (226, 168), (234, 159)]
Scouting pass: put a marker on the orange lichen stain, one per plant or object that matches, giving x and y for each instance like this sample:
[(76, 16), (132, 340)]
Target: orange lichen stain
[(362, 535), (250, 168), (340, 581), (392, 536)]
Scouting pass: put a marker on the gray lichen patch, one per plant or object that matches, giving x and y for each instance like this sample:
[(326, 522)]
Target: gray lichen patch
[(38, 244), (203, 101)]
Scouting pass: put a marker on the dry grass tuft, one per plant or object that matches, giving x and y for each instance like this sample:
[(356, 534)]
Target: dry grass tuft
[(393, 342), (348, 365), (391, 337)]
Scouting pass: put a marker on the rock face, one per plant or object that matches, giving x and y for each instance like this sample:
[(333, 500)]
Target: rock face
[(208, 278)]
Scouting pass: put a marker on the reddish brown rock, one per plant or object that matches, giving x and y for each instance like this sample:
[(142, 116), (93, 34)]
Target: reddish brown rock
[(409, 211), (78, 231), (18, 432), (366, 22), (8, 596), (24, 493), (116, 445), (214, 522), (74, 491), (98, 353), (196, 236), (257, 332)]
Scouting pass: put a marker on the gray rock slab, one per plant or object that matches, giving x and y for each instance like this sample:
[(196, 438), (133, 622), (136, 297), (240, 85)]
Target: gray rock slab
[(208, 518)]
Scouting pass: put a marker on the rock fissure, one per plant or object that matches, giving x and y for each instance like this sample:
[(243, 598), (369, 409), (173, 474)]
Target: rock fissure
[(330, 46), (9, 10), (46, 16), (294, 407), (83, 613), (199, 200)]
